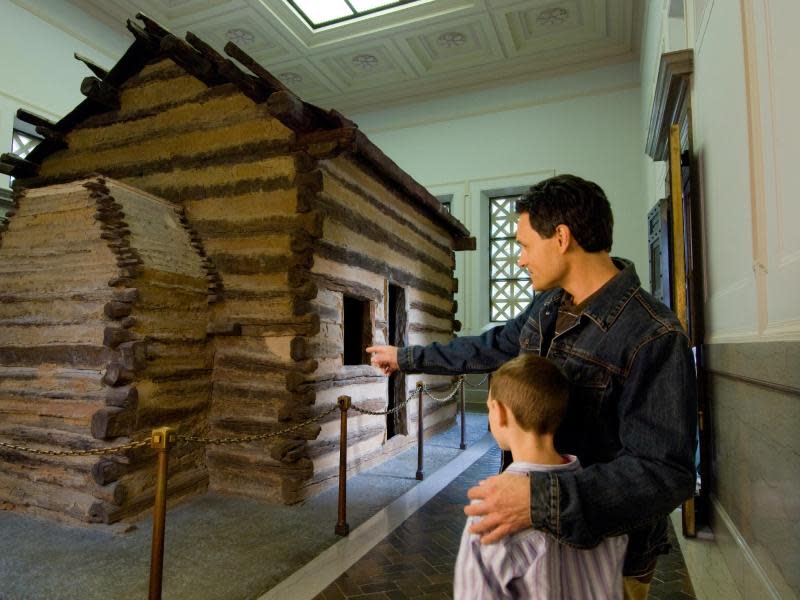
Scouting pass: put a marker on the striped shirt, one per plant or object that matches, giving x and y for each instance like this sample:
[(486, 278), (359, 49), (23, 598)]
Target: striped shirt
[(532, 565)]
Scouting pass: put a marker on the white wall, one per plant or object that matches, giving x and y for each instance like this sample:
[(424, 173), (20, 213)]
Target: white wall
[(747, 138), (38, 71), (509, 138)]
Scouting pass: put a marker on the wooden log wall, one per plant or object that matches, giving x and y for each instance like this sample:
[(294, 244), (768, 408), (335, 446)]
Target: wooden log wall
[(102, 337), (287, 232), (372, 237), (245, 190)]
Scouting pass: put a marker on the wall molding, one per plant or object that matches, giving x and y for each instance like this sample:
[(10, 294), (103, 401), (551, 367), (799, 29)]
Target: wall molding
[(39, 110), (468, 114), (757, 572), (762, 383), (765, 364)]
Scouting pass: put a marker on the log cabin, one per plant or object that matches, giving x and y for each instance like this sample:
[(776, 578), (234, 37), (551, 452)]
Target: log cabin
[(194, 246)]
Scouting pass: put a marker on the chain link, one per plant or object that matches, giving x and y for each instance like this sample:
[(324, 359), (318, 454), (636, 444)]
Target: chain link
[(255, 437), (237, 439), (411, 396), (91, 452), (478, 385), (366, 411), (447, 398)]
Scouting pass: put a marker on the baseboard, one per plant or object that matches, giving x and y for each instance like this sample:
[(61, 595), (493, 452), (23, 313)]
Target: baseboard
[(755, 581), (725, 566)]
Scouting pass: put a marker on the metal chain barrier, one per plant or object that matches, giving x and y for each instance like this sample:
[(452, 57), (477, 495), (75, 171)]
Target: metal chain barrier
[(232, 440), (449, 398), (255, 437), (163, 439), (411, 396), (366, 411), (90, 452), (477, 386)]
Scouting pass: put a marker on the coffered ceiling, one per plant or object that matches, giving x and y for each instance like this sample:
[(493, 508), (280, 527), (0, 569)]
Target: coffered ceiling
[(413, 52)]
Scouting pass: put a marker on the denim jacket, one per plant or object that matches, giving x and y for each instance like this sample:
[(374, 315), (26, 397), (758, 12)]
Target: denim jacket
[(631, 419)]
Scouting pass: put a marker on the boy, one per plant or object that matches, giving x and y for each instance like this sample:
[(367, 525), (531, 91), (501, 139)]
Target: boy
[(527, 401)]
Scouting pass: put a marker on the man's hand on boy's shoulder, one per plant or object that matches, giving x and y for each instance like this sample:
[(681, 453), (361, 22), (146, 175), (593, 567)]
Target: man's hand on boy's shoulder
[(505, 506)]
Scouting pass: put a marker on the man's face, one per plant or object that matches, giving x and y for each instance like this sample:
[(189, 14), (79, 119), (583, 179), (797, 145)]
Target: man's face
[(539, 256)]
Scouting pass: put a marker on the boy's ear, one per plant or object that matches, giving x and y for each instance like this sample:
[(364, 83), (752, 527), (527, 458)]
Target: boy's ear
[(502, 413)]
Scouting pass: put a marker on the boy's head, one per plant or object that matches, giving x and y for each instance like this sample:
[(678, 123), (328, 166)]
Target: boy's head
[(528, 392)]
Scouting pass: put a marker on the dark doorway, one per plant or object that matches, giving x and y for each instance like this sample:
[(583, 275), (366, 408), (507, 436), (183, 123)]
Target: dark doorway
[(397, 422), (356, 330)]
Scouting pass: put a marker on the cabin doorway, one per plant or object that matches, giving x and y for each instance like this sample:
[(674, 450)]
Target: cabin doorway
[(397, 422)]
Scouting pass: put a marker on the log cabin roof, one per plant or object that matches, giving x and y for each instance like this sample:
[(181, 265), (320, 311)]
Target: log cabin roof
[(323, 133)]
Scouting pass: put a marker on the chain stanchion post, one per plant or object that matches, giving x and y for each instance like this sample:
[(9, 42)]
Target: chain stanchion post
[(162, 440), (420, 432), (463, 402), (342, 527)]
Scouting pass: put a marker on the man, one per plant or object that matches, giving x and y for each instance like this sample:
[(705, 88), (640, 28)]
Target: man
[(632, 414)]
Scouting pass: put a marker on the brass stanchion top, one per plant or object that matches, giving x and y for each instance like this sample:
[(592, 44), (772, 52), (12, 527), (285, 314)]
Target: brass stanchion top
[(344, 402), (163, 438), (420, 384)]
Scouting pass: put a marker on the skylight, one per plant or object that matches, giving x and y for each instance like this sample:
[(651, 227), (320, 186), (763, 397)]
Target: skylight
[(320, 13)]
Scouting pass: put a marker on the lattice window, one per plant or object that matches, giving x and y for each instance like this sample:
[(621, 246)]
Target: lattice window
[(22, 143), (509, 285)]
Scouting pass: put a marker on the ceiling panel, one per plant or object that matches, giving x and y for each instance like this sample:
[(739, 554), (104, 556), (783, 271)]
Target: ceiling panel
[(409, 53), (304, 79), (458, 44), (247, 29)]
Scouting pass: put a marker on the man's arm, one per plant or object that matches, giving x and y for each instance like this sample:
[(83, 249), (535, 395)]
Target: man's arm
[(654, 471), (651, 476), (471, 354)]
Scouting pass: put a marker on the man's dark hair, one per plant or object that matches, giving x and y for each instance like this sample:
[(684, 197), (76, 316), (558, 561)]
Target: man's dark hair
[(534, 390), (569, 200)]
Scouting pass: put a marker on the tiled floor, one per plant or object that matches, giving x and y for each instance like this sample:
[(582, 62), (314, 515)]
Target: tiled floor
[(417, 559)]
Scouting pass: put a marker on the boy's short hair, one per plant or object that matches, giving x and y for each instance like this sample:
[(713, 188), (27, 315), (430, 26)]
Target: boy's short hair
[(534, 390)]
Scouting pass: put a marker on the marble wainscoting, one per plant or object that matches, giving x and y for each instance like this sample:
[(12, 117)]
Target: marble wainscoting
[(754, 392)]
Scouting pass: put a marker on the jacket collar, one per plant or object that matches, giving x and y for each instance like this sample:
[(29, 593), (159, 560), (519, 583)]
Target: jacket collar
[(608, 304), (604, 308)]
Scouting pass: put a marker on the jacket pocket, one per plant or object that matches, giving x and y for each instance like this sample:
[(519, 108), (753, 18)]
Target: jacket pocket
[(529, 338)]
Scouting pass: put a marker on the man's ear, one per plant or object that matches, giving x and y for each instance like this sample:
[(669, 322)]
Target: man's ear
[(563, 237)]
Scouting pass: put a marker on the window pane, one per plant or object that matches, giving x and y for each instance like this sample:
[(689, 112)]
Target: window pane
[(22, 144), (320, 12), (360, 5), (509, 285)]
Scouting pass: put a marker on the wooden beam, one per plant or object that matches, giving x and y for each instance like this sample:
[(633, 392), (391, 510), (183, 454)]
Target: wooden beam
[(54, 135), (388, 169), (251, 86), (150, 41), (234, 51), (291, 111), (33, 119), (16, 166), (191, 60), (464, 243), (93, 67), (151, 25), (102, 93)]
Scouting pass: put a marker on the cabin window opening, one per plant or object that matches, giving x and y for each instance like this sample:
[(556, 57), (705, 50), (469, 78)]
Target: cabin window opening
[(356, 328)]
